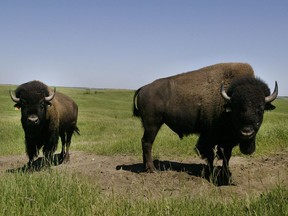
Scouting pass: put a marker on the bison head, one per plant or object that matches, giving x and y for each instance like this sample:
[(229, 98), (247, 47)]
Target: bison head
[(247, 99), (33, 106)]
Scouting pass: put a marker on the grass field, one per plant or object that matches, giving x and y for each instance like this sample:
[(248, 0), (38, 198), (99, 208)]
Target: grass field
[(108, 128)]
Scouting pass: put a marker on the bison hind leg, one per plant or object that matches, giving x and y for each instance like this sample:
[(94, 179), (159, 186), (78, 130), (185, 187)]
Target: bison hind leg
[(66, 142), (63, 141), (148, 138), (181, 135)]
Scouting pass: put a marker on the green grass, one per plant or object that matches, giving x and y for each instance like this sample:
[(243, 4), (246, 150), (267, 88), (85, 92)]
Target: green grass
[(54, 193), (107, 127)]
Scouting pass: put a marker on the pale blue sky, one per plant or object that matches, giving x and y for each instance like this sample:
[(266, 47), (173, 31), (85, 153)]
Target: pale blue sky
[(129, 43)]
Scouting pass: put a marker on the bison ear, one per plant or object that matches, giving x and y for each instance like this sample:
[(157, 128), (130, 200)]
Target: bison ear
[(269, 106), (45, 103), (17, 106), (48, 103), (227, 108)]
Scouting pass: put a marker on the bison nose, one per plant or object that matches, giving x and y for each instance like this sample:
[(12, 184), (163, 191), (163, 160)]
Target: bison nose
[(33, 119), (247, 132)]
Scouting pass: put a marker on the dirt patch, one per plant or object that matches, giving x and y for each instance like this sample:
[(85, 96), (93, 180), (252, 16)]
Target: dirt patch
[(183, 177)]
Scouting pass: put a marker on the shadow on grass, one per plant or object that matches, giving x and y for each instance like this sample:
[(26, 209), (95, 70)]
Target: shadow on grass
[(38, 165), (198, 170)]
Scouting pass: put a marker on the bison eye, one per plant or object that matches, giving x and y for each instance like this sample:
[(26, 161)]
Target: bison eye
[(260, 111), (42, 106), (23, 103)]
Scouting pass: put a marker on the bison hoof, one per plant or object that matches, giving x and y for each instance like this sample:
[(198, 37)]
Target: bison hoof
[(66, 158), (151, 170), (29, 167), (221, 177)]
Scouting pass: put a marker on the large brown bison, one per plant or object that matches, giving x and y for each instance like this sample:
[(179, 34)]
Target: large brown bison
[(197, 102), (45, 115)]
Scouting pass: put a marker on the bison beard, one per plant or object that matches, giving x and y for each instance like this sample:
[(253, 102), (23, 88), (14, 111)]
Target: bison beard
[(247, 146), (196, 103)]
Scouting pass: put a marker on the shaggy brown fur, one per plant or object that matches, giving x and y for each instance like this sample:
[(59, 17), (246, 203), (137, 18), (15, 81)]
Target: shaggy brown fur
[(44, 121)]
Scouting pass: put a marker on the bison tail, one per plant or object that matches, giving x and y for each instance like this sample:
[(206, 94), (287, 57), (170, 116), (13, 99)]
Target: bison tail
[(76, 129), (135, 108)]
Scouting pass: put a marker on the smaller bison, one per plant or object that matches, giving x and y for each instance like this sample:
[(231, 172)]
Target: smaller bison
[(197, 102), (45, 115)]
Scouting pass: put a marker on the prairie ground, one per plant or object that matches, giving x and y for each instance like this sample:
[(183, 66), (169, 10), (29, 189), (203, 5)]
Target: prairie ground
[(176, 177)]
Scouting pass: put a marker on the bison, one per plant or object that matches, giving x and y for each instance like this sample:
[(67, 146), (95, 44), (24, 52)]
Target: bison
[(197, 102), (45, 115)]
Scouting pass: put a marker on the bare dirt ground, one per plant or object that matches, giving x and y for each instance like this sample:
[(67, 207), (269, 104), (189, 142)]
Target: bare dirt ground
[(177, 177)]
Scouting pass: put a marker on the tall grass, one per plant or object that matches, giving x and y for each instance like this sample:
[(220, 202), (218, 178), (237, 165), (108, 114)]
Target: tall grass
[(54, 193), (45, 193)]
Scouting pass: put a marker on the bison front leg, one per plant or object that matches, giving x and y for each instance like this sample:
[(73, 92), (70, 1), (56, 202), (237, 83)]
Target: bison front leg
[(225, 171), (48, 156), (31, 150), (49, 148), (147, 142), (206, 151), (224, 177)]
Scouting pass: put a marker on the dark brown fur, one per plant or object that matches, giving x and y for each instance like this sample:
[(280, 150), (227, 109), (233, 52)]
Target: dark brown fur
[(55, 118), (191, 103)]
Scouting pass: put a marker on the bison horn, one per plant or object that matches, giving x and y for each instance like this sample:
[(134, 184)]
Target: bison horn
[(223, 93), (50, 97), (14, 98), (272, 97)]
